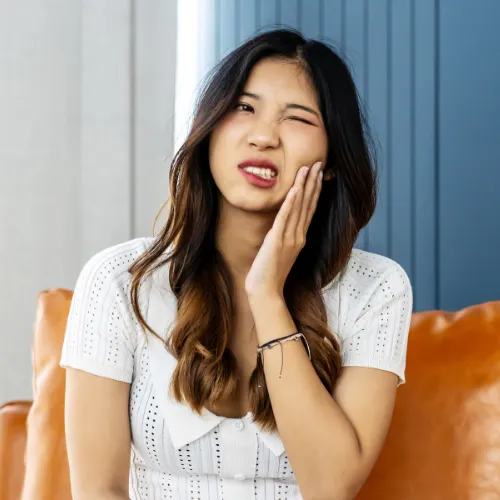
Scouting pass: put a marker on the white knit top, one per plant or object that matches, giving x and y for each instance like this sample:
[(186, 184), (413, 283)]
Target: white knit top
[(177, 454)]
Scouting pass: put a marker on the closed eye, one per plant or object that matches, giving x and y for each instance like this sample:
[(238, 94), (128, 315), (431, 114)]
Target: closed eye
[(300, 119)]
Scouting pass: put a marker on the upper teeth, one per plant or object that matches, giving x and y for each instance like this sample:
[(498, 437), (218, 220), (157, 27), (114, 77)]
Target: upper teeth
[(267, 173)]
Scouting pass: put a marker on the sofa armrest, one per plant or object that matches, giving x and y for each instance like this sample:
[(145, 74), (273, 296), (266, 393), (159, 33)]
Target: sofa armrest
[(13, 417)]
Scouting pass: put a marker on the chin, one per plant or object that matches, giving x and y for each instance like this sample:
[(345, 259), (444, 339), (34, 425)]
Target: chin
[(253, 204)]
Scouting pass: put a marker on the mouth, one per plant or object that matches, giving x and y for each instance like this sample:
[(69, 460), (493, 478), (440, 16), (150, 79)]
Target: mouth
[(259, 172)]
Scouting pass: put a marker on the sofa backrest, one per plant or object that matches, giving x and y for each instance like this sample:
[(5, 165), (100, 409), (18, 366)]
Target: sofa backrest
[(13, 417), (47, 470), (443, 444), (444, 440)]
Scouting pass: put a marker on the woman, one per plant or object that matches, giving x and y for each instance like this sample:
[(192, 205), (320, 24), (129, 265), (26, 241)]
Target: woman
[(177, 386)]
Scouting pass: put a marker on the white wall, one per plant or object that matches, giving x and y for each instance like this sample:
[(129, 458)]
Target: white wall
[(196, 39), (86, 136)]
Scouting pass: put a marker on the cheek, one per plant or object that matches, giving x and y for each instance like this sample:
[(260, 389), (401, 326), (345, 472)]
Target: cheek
[(306, 146), (223, 143)]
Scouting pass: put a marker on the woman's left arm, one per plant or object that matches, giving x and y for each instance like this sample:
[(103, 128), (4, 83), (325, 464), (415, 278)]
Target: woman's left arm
[(332, 442)]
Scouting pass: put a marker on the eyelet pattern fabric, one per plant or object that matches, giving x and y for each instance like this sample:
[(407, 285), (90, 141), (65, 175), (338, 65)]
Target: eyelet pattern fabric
[(369, 309)]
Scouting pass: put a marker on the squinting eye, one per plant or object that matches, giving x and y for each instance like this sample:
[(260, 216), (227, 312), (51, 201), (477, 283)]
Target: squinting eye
[(242, 105), (296, 118)]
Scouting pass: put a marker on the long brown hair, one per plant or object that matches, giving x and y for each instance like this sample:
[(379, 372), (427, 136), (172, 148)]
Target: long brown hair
[(206, 370)]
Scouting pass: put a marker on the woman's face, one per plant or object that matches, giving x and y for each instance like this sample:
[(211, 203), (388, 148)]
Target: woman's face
[(276, 120)]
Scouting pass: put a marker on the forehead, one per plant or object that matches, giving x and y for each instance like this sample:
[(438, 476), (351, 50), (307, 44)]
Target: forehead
[(280, 78)]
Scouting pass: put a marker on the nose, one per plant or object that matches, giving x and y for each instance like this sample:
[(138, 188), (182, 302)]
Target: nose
[(264, 135)]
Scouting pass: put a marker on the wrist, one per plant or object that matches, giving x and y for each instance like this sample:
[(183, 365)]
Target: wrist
[(265, 301), (272, 317)]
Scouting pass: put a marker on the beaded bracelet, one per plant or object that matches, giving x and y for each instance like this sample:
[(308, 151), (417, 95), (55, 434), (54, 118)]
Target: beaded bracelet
[(280, 341)]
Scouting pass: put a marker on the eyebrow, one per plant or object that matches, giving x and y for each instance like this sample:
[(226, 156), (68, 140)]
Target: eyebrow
[(289, 105)]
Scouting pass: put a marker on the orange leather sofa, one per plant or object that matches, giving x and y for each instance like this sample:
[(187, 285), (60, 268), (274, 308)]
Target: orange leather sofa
[(443, 444)]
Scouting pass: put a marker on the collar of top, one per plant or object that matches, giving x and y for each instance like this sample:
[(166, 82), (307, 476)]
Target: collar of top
[(185, 425)]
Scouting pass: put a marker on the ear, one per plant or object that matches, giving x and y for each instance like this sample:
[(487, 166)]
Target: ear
[(328, 174)]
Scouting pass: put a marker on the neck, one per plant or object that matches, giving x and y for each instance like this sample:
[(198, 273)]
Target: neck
[(239, 236)]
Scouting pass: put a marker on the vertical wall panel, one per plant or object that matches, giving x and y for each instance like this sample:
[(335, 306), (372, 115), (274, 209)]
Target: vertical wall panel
[(331, 22), (425, 209), (228, 26), (377, 90), (268, 13), (290, 12), (354, 40), (355, 51), (248, 19), (208, 40), (106, 132), (153, 109), (40, 216), (401, 163), (311, 19), (422, 92), (469, 153)]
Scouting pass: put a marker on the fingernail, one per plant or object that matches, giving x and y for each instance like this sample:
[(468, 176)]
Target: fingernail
[(318, 165)]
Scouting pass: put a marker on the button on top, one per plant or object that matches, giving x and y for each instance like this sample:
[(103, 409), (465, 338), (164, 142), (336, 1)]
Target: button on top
[(238, 425), (239, 477)]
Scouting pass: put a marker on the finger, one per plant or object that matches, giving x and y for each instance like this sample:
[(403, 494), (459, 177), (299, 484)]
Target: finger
[(293, 220), (309, 193), (314, 204), (280, 222)]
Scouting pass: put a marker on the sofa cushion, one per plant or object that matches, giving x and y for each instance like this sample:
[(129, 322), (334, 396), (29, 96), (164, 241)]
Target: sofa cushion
[(444, 441), (47, 471), (13, 443)]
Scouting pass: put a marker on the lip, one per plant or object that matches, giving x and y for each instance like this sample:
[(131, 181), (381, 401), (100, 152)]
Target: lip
[(259, 162), (255, 179)]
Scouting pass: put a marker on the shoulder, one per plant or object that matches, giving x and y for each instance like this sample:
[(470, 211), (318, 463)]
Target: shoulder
[(368, 282), (108, 274), (105, 279), (368, 271), (112, 263), (369, 307), (101, 330)]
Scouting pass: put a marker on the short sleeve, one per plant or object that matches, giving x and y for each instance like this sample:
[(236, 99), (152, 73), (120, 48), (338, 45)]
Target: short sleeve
[(378, 336), (98, 338)]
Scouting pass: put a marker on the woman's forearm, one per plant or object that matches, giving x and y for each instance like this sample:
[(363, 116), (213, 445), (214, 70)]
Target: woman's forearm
[(320, 440)]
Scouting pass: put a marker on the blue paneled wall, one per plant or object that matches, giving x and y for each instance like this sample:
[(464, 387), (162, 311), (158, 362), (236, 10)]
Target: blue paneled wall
[(429, 74)]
